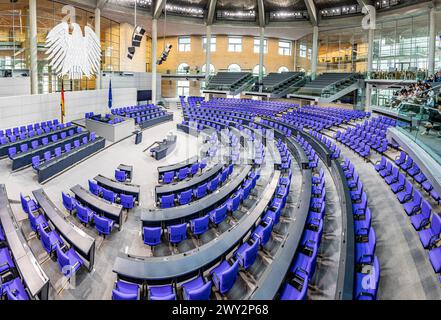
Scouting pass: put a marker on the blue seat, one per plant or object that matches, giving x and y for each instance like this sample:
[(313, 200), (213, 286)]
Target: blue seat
[(95, 188), (213, 184), (68, 202), (125, 291), (167, 201), (430, 235), (6, 262), (168, 177), (127, 201), (37, 222), (422, 219), (196, 289), (35, 162), (219, 214), (365, 248), (200, 191), (177, 233), (103, 225), (262, 233), (306, 259), (185, 197), (199, 225), (50, 240), (183, 173), (224, 275), (152, 235), (84, 214), (362, 223), (15, 290), (68, 261), (406, 194), (165, 292), (234, 202), (359, 208), (413, 206), (120, 175), (246, 254), (109, 195), (194, 168), (366, 284), (399, 185), (28, 205)]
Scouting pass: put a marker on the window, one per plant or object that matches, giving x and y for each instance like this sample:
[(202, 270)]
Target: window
[(183, 68), (212, 69), (283, 69), (257, 45), (302, 50), (234, 44), (309, 54), (285, 48), (183, 88), (256, 70), (184, 44), (234, 68), (213, 44)]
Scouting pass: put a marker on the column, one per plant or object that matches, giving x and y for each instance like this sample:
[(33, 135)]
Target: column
[(314, 52), (154, 44), (98, 34), (207, 53), (432, 42), (33, 45), (294, 52), (261, 52), (368, 89)]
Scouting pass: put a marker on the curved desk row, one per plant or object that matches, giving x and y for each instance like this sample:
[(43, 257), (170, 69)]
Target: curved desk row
[(151, 122), (80, 241), (273, 277), (110, 210), (30, 270), (23, 159), (56, 165), (175, 167), (118, 187), (182, 266), (4, 147), (192, 210), (195, 181)]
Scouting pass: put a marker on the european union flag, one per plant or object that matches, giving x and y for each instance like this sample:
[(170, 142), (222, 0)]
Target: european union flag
[(110, 95)]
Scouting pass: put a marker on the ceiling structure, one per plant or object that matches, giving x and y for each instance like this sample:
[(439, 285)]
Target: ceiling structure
[(288, 19)]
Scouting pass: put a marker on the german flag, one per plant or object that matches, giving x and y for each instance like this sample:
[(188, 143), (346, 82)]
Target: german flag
[(63, 110)]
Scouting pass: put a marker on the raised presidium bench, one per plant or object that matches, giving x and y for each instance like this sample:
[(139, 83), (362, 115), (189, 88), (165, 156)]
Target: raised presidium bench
[(162, 270), (152, 121), (82, 243), (170, 216), (56, 165), (23, 159), (30, 272), (110, 210), (178, 187), (164, 147), (38, 137), (118, 187)]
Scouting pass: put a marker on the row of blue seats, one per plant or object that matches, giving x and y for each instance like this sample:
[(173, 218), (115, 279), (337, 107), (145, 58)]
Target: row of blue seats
[(335, 151), (367, 267), (67, 258), (309, 151), (25, 147), (185, 197), (183, 173), (87, 216), (427, 225), (305, 260), (141, 119), (68, 147), (16, 131), (11, 285), (40, 131)]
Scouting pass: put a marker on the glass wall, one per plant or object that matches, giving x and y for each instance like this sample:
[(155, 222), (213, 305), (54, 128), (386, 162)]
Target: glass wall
[(14, 40), (343, 50), (402, 45)]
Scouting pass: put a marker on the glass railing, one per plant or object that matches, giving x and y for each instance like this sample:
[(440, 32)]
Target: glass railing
[(422, 124), (398, 75)]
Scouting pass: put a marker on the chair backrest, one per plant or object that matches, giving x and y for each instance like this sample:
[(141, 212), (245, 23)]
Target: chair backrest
[(58, 151), (177, 233), (152, 235), (24, 203), (120, 175), (82, 212), (168, 201), (250, 254), (108, 195), (67, 201), (127, 201), (417, 197), (409, 187), (102, 224), (228, 277), (35, 161), (435, 225), (62, 259), (200, 225), (67, 147)]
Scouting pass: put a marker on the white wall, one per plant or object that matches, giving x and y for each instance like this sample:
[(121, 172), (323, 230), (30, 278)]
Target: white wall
[(139, 80), (26, 109), (15, 85)]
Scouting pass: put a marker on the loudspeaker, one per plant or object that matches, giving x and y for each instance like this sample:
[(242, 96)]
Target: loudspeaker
[(131, 50)]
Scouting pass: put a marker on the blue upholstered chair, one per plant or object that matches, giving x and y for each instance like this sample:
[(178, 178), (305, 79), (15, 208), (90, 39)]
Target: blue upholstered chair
[(165, 292), (199, 225), (69, 202), (125, 291), (69, 261), (152, 236), (247, 254), (84, 214), (120, 176), (167, 201), (196, 289), (50, 240), (224, 275), (177, 233), (103, 225), (127, 201), (185, 197)]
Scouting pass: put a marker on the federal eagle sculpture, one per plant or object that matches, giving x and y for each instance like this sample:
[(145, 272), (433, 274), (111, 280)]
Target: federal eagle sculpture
[(70, 53)]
